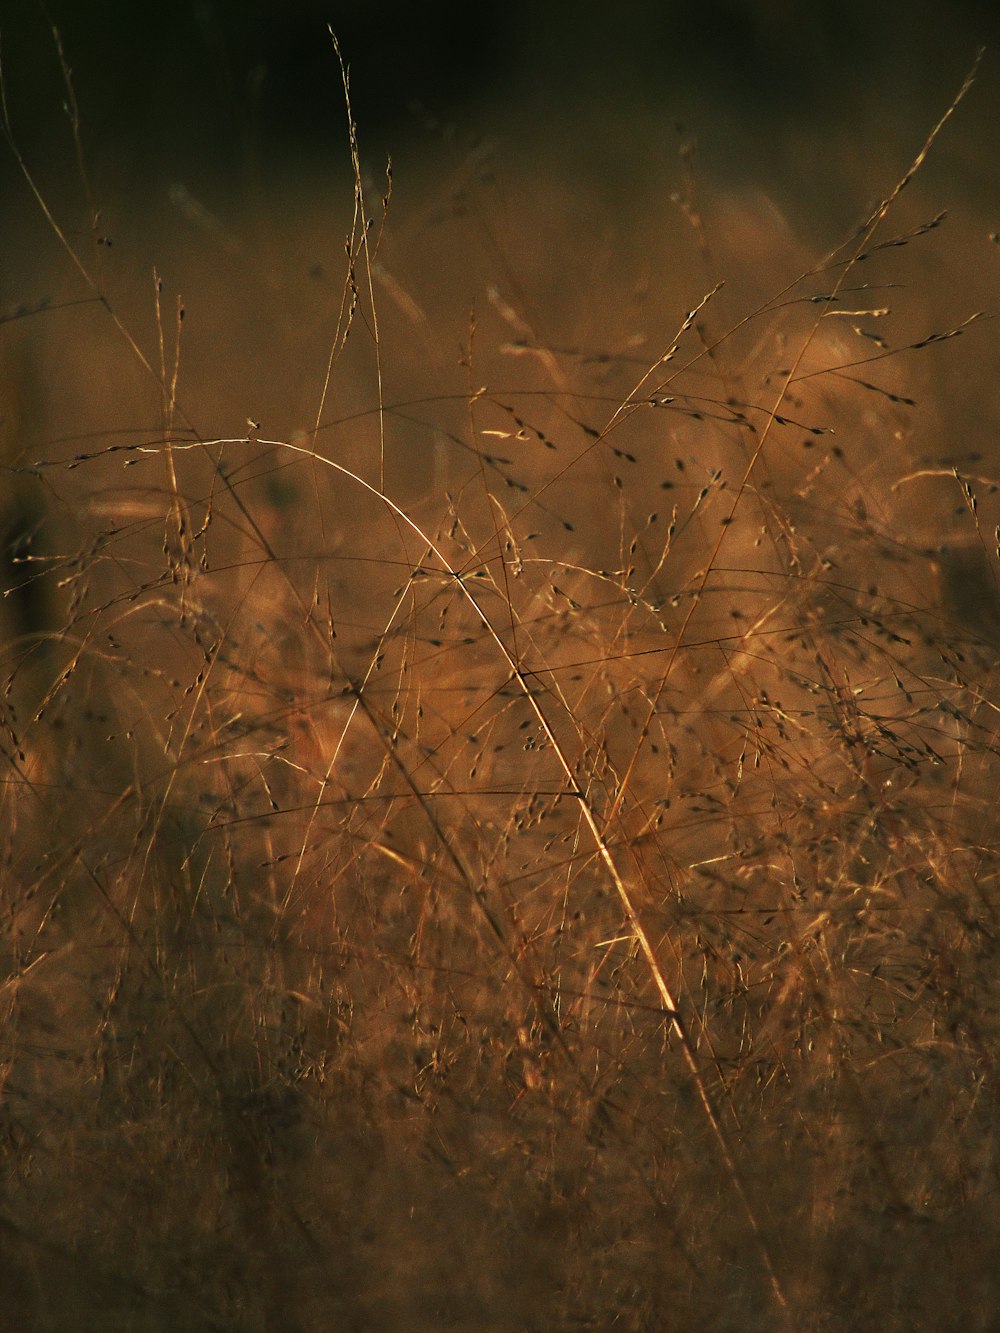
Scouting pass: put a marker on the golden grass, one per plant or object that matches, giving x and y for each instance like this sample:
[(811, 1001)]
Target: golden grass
[(518, 854)]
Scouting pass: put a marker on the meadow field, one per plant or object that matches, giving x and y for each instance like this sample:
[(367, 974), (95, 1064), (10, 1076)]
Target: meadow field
[(499, 738)]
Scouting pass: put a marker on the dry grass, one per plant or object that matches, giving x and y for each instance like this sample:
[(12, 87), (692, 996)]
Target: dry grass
[(521, 853)]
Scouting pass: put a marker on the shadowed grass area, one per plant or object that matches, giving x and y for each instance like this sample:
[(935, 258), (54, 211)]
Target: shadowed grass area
[(499, 822)]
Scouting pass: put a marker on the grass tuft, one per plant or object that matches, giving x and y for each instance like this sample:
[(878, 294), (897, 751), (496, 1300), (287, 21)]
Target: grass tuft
[(506, 837)]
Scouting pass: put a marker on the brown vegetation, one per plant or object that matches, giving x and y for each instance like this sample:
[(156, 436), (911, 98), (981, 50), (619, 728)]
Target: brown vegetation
[(505, 838)]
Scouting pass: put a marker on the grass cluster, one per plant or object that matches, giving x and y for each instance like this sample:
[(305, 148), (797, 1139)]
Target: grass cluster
[(518, 854)]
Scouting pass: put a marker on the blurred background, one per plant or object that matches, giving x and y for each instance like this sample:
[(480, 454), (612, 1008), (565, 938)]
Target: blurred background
[(761, 81), (581, 176)]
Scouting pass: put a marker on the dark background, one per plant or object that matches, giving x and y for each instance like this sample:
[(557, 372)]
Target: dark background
[(152, 76)]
